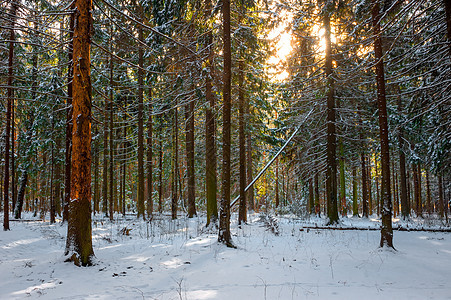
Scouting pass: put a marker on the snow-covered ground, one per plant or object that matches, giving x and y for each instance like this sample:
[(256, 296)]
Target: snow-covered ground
[(180, 260)]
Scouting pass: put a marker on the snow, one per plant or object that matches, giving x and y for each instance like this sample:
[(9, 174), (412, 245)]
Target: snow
[(180, 260)]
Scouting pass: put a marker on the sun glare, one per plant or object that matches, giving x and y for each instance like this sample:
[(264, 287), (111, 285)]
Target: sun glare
[(283, 49)]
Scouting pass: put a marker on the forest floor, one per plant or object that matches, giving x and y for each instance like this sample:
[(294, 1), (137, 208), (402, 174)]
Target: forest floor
[(276, 258)]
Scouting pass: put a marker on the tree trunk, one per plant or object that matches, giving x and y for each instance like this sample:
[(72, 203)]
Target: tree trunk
[(150, 159), (111, 132), (43, 187), (249, 164), (405, 209), (331, 171), (79, 240), (111, 159), (419, 192), (175, 158), (21, 194), (224, 214), (140, 203), (96, 194), (428, 194), (210, 134), (105, 162), (124, 166), (386, 229), (344, 209), (395, 212), (364, 186), (317, 203), (52, 173), (355, 205), (69, 125), (189, 129), (242, 215), (409, 192), (160, 175), (311, 196), (58, 177), (369, 186), (378, 199), (10, 96), (441, 201), (13, 161)]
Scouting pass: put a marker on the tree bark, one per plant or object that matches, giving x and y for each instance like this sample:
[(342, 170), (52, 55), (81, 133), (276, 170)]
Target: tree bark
[(96, 193), (105, 161), (13, 161), (441, 201), (364, 186), (189, 130), (10, 96), (355, 205), (331, 171), (386, 229), (242, 215), (376, 178), (140, 203), (317, 203), (224, 214), (419, 193), (405, 209), (150, 159), (311, 196), (344, 209), (249, 164), (52, 173), (210, 134), (111, 133), (175, 162), (428, 194), (160, 175), (369, 186), (394, 190), (79, 239), (68, 156)]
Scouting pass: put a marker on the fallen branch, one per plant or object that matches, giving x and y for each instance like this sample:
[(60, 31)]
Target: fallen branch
[(376, 229)]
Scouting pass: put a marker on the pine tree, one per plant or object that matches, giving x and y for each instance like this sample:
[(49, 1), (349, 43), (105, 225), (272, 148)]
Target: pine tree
[(79, 240)]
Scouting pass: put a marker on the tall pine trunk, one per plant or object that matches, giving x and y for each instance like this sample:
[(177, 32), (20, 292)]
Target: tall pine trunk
[(210, 134), (386, 229), (331, 169), (224, 214), (10, 96), (160, 175), (189, 129), (140, 204), (175, 163), (105, 161), (68, 156), (110, 133), (79, 232), (364, 186), (150, 159), (355, 205), (242, 215), (249, 163), (405, 209)]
